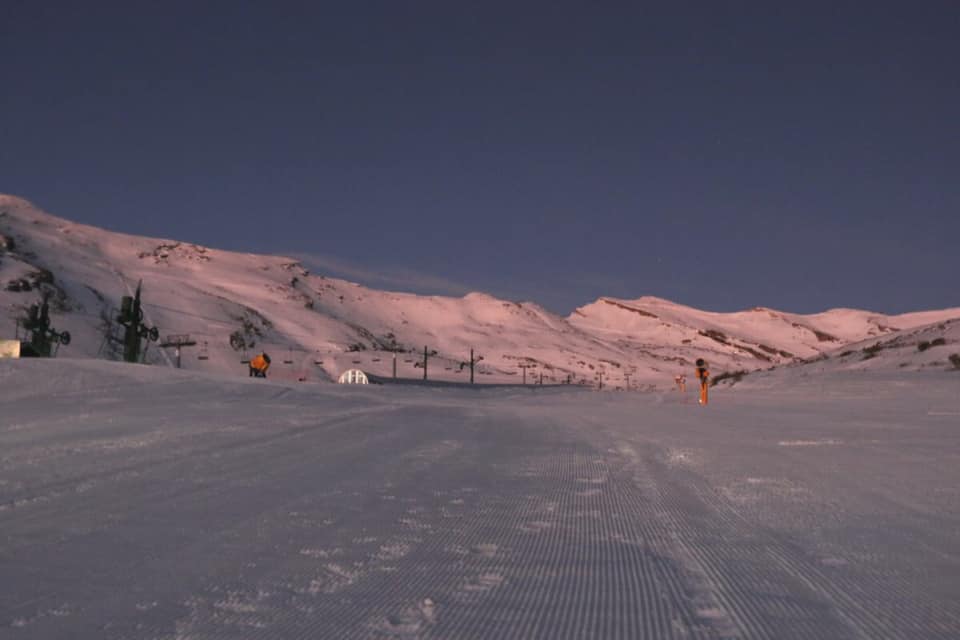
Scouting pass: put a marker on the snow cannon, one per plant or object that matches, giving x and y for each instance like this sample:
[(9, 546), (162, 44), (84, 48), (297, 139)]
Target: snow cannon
[(258, 365), (703, 375)]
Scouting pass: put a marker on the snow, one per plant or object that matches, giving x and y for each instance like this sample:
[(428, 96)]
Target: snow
[(816, 496), (145, 502), (934, 347), (317, 327), (770, 336)]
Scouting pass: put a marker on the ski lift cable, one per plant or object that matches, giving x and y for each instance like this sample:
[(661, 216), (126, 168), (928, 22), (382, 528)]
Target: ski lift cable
[(143, 304), (299, 334), (155, 306)]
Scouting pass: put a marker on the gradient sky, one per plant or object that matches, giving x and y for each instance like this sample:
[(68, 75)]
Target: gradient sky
[(725, 155)]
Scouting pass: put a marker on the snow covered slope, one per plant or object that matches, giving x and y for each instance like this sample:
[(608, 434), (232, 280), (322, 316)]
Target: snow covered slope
[(315, 327), (754, 336), (933, 348), (147, 503)]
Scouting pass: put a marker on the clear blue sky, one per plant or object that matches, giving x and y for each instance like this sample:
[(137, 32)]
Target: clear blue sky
[(721, 154)]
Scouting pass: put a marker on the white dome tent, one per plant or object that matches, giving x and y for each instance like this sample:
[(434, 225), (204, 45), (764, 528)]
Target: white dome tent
[(353, 376)]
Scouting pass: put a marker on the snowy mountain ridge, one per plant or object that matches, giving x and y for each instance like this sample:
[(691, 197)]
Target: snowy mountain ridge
[(315, 326)]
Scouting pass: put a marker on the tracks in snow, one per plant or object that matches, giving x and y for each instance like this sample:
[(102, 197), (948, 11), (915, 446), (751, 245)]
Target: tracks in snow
[(456, 526)]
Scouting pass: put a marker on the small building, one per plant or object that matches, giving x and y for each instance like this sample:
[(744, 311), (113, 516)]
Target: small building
[(9, 348), (353, 376)]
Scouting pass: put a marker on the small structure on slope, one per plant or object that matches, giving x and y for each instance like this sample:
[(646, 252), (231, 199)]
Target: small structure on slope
[(353, 376), (9, 348)]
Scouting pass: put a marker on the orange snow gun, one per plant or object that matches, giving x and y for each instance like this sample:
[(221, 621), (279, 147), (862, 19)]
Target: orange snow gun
[(703, 375), (259, 366)]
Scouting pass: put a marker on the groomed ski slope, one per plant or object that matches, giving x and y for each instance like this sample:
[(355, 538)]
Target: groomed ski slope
[(141, 502)]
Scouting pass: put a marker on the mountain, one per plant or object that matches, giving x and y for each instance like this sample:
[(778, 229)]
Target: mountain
[(758, 337), (315, 327), (931, 347)]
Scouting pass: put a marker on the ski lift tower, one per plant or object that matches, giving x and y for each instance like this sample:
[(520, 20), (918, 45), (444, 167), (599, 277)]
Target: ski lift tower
[(177, 341), (44, 340), (131, 317), (525, 366), (471, 364)]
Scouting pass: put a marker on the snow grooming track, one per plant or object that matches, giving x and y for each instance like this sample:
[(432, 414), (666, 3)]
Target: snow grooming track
[(763, 586), (774, 588), (256, 511), (736, 579), (535, 556), (723, 560)]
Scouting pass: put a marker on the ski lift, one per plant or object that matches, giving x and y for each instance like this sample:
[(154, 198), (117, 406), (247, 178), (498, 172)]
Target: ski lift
[(289, 358), (245, 359), (204, 354)]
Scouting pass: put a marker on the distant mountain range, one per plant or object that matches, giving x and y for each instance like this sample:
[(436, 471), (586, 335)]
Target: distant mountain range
[(315, 327)]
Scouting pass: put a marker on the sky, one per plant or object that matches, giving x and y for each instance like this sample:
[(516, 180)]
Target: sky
[(721, 155)]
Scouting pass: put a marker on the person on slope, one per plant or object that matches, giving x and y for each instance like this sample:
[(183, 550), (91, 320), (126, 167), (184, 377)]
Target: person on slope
[(259, 366)]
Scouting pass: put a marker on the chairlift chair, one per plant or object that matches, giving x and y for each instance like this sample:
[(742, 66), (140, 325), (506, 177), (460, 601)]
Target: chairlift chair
[(204, 354)]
